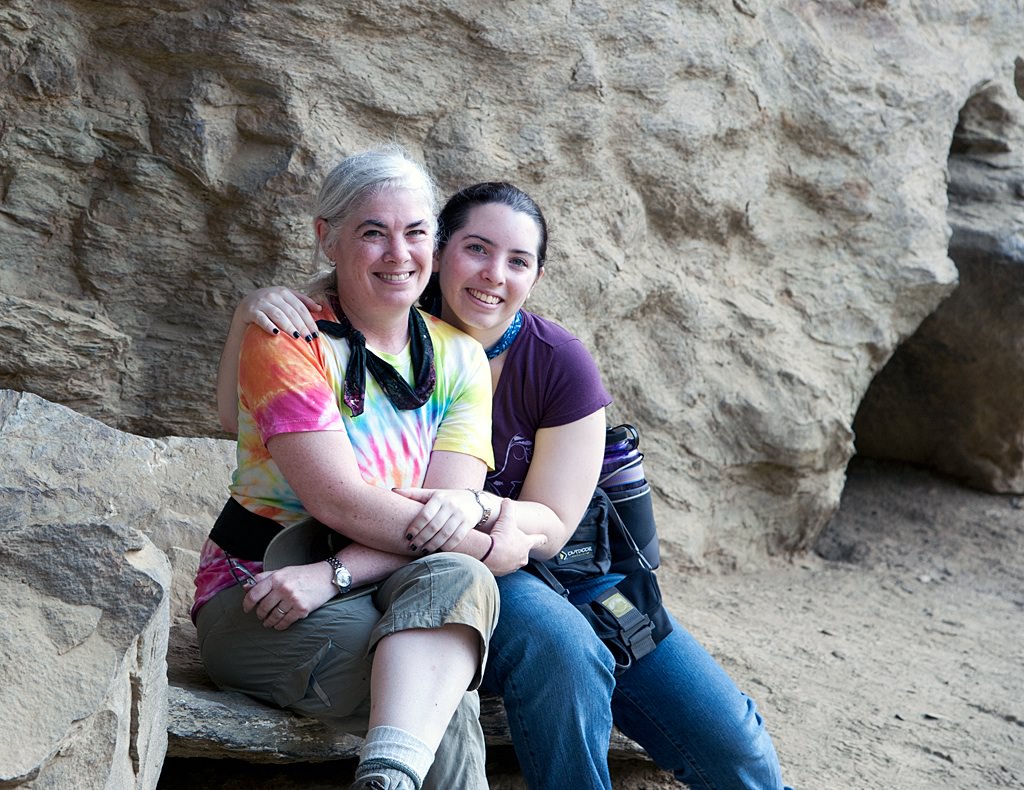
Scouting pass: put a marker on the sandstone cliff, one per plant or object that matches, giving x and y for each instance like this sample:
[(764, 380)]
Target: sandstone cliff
[(748, 204)]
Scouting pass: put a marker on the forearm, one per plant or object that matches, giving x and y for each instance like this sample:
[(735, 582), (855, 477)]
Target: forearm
[(369, 516), (374, 517), (476, 544), (227, 375), (370, 565), (363, 524), (535, 518)]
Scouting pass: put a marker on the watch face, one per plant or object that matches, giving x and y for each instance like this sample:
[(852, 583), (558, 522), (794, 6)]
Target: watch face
[(342, 578)]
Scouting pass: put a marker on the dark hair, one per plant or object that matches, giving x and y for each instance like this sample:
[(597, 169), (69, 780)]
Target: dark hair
[(455, 214)]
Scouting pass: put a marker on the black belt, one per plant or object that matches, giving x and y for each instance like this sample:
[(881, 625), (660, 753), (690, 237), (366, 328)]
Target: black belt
[(242, 533)]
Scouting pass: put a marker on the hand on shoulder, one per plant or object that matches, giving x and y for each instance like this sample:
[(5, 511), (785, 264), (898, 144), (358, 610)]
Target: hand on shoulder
[(279, 309)]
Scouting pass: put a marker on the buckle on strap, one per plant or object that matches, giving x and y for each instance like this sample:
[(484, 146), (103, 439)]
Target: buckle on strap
[(635, 627)]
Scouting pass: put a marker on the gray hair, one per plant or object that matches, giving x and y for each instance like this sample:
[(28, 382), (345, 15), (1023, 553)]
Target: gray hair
[(352, 181)]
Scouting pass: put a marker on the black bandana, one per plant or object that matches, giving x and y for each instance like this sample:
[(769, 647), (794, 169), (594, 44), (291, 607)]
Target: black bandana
[(361, 358)]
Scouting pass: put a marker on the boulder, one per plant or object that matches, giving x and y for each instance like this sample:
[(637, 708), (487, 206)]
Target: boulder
[(88, 598), (83, 681), (61, 466)]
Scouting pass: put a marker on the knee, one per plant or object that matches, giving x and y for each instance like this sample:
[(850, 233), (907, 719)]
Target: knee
[(468, 581), (750, 745), (467, 714), (462, 571), (556, 641)]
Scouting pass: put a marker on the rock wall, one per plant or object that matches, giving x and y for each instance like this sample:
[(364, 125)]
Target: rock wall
[(748, 202)]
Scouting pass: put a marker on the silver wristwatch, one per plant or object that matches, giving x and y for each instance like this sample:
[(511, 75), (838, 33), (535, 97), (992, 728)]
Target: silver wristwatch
[(342, 578)]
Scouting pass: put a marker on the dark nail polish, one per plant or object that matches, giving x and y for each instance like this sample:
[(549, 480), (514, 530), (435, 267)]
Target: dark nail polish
[(309, 338), (316, 334), (412, 547), (296, 335), (276, 330), (408, 536)]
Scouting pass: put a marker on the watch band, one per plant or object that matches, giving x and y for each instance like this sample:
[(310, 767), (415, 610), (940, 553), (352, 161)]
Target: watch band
[(486, 510)]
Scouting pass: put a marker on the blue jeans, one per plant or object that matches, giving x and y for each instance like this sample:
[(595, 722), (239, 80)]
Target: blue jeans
[(558, 685)]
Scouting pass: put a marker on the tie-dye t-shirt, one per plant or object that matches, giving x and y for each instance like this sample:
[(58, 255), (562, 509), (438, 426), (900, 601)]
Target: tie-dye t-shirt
[(291, 386)]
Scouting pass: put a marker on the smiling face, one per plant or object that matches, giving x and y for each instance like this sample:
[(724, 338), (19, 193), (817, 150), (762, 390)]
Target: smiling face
[(383, 251), (488, 267)]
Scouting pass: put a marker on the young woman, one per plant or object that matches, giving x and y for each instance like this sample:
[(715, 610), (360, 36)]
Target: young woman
[(319, 437), (555, 676)]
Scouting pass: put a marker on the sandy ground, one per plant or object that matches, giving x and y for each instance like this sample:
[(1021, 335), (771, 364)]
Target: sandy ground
[(892, 657)]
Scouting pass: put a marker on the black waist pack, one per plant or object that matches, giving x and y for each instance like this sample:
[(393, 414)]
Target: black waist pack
[(628, 617), (588, 552), (622, 488), (617, 534)]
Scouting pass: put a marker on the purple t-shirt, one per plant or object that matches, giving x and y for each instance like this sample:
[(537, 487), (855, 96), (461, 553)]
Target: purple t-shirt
[(548, 379)]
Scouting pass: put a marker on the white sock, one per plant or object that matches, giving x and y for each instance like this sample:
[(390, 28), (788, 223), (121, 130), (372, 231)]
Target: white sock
[(395, 749)]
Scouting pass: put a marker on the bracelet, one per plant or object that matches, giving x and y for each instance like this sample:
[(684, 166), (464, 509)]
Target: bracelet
[(487, 511), (489, 550)]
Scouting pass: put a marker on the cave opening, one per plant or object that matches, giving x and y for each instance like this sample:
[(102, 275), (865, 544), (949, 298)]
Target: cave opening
[(950, 397), (946, 413)]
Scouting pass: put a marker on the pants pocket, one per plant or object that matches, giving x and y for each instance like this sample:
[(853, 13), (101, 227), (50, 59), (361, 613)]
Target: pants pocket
[(301, 681)]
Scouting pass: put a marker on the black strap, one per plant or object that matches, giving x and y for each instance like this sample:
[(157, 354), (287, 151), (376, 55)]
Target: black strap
[(542, 572), (242, 533)]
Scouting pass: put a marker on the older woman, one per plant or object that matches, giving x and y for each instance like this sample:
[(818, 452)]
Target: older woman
[(318, 437)]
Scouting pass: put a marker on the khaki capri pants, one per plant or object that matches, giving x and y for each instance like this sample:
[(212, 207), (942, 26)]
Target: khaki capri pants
[(320, 666)]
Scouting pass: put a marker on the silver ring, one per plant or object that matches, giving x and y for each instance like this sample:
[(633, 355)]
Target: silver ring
[(282, 611)]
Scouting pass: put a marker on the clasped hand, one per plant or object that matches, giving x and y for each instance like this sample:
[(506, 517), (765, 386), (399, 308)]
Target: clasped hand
[(448, 515)]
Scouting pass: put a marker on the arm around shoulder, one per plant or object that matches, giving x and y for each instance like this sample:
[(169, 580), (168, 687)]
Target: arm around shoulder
[(274, 310)]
